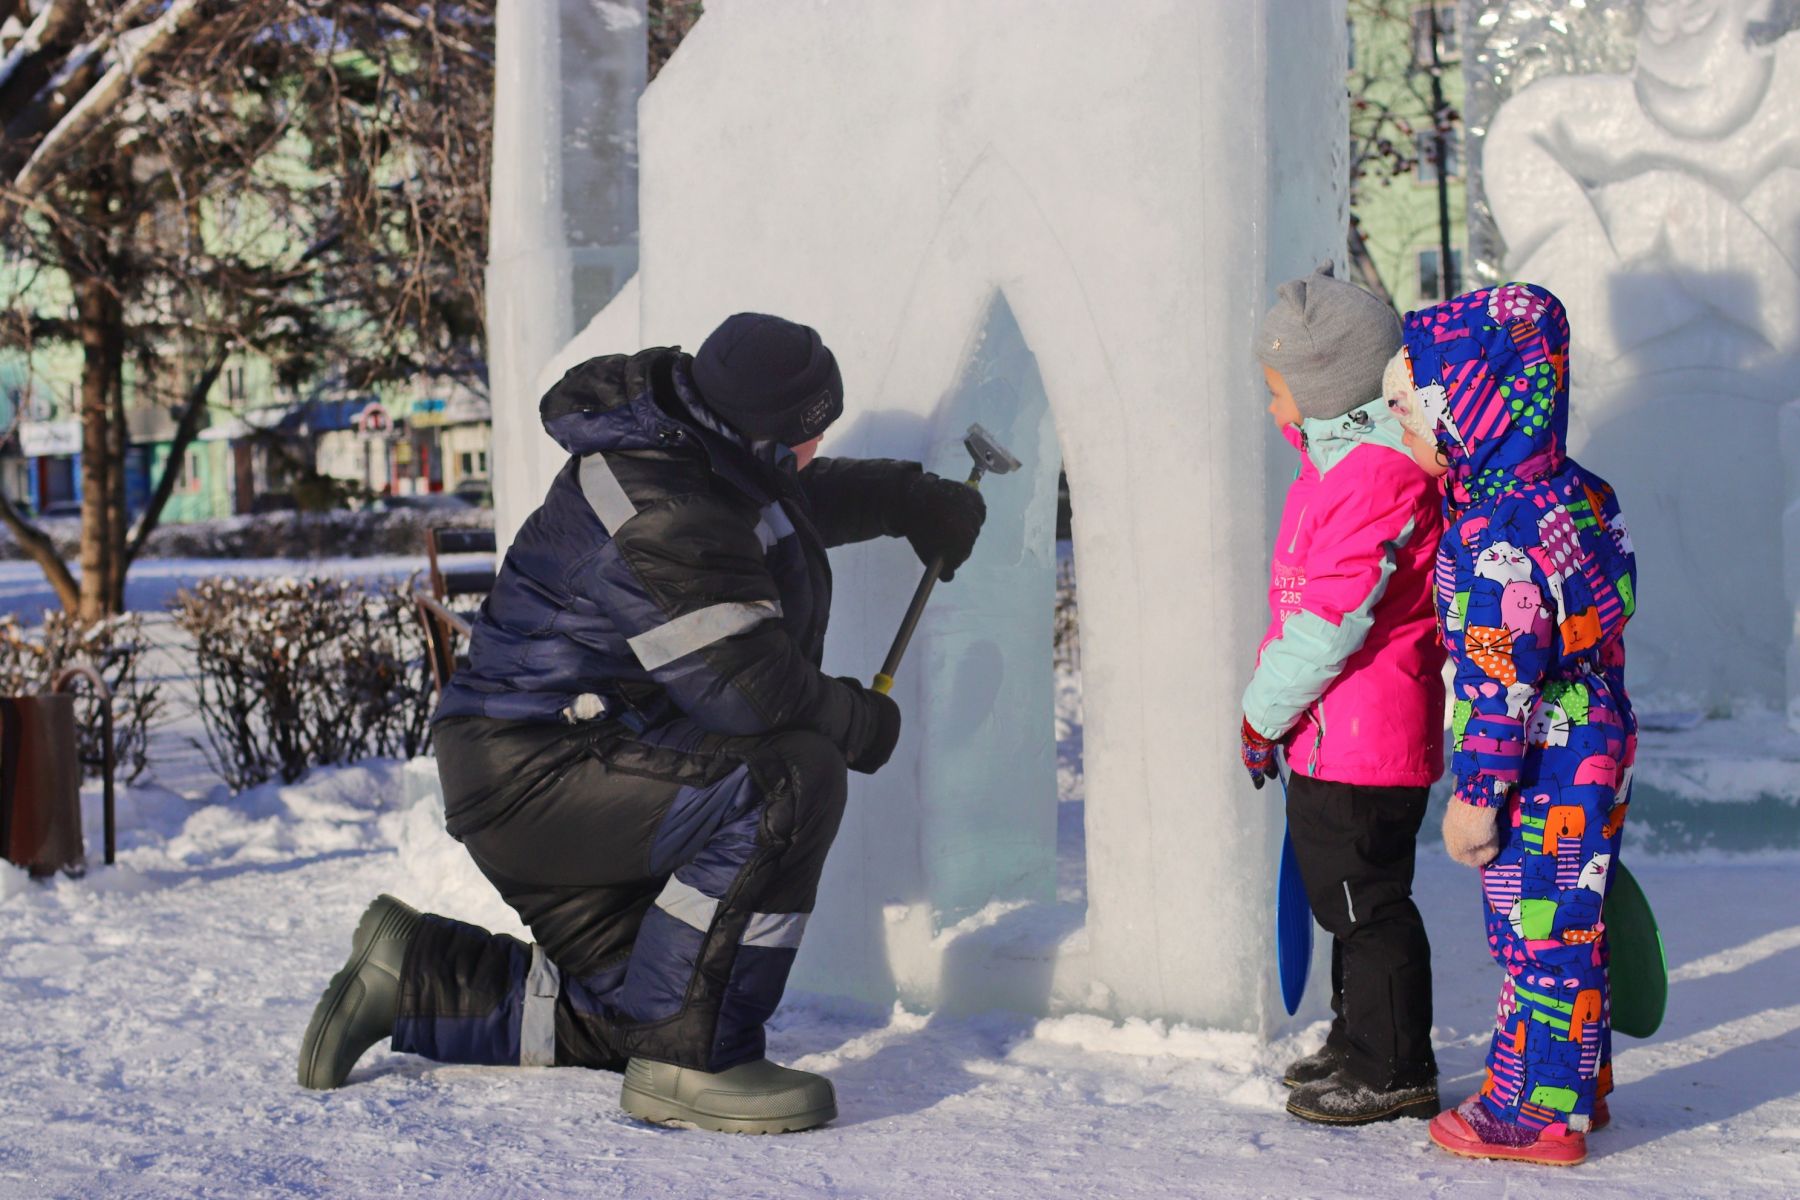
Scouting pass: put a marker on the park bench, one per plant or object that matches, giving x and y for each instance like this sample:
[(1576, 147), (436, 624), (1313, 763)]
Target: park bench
[(445, 628), (450, 582)]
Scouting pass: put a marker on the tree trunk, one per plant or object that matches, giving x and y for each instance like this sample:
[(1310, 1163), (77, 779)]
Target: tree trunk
[(118, 454), (187, 429), (41, 550), (1447, 272), (101, 322)]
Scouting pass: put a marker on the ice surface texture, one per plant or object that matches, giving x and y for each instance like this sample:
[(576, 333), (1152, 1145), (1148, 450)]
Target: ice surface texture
[(562, 228), (1062, 221), (1663, 207)]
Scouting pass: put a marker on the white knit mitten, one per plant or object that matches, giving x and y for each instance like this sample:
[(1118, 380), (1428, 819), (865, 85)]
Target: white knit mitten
[(1471, 833)]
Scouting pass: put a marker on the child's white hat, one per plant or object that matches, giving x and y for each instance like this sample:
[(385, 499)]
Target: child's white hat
[(1423, 411)]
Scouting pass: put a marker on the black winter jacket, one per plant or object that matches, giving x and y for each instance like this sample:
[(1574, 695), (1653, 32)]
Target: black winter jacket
[(674, 569)]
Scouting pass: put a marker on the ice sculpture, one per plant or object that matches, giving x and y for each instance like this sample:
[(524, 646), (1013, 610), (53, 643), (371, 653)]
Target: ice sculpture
[(1663, 206), (562, 230), (1062, 221)]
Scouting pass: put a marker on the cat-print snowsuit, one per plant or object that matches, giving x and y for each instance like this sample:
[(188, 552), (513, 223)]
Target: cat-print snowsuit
[(1535, 581)]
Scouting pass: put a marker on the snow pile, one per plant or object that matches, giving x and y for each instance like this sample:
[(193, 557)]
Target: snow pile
[(330, 812), (14, 881), (158, 1007), (434, 873), (1240, 1067)]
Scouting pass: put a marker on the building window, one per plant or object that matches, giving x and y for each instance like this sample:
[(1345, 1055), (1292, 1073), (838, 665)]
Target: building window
[(187, 473), (57, 479), (1427, 147), (1449, 46), (1350, 44), (234, 383), (1431, 279)]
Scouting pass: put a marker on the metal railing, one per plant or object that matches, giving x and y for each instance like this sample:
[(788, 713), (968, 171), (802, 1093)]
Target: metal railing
[(64, 681)]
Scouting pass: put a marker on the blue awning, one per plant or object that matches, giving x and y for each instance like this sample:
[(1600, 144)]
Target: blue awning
[(323, 416)]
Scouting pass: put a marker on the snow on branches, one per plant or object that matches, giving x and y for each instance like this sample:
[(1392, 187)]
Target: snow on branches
[(30, 658), (296, 673)]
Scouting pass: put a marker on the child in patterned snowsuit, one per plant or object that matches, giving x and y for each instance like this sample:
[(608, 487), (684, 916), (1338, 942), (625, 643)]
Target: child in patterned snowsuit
[(1535, 581)]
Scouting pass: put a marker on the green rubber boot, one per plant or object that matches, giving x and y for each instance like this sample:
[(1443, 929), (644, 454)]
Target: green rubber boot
[(754, 1097), (361, 1001)]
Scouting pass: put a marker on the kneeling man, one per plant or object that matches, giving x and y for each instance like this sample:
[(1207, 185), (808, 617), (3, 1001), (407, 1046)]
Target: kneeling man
[(643, 754)]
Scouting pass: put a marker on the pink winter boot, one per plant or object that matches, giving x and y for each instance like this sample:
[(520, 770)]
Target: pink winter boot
[(1470, 1130)]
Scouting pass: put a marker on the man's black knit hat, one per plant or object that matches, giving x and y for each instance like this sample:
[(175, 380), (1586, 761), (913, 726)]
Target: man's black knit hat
[(771, 379)]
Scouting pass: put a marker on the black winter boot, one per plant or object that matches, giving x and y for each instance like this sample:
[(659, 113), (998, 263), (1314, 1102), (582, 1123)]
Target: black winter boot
[(361, 1001), (1342, 1100), (1320, 1064)]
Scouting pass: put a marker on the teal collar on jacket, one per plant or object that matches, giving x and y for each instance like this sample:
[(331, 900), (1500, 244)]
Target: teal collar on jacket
[(1327, 442)]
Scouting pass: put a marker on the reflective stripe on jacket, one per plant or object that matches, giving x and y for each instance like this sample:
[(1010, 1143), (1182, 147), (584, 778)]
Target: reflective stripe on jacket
[(673, 569)]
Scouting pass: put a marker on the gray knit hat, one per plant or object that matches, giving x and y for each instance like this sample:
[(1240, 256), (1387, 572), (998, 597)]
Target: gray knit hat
[(1330, 340)]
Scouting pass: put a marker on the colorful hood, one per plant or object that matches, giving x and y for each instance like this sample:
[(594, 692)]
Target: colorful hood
[(1492, 368)]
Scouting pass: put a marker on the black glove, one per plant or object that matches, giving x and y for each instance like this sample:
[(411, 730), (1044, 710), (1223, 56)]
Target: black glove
[(941, 517), (876, 731)]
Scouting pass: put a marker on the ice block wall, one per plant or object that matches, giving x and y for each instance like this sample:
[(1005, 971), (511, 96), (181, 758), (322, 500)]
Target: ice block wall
[(562, 229), (1661, 203), (1062, 221)]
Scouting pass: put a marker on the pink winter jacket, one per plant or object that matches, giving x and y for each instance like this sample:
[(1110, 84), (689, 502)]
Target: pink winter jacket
[(1349, 676)]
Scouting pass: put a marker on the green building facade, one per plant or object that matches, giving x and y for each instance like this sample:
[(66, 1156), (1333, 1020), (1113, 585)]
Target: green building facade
[(1396, 208)]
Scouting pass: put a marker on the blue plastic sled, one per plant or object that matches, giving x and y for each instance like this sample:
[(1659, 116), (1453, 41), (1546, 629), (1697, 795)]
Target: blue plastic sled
[(1293, 924)]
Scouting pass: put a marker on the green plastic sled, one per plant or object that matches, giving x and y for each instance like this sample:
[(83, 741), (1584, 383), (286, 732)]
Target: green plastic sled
[(1640, 968)]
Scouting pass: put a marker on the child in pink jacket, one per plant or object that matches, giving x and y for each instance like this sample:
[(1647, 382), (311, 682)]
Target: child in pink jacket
[(1348, 680)]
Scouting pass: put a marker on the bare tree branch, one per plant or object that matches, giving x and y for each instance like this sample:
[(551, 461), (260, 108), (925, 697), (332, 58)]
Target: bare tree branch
[(401, 17), (40, 549), (85, 115), (57, 23), (304, 181), (194, 413)]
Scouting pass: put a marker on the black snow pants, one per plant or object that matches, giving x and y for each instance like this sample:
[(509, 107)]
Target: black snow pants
[(665, 875), (1355, 846)]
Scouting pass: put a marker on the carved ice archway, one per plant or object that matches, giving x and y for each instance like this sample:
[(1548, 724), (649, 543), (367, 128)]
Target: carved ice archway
[(885, 174)]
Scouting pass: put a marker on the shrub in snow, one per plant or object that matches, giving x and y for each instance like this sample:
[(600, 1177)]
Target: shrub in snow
[(386, 677), (30, 659), (296, 673)]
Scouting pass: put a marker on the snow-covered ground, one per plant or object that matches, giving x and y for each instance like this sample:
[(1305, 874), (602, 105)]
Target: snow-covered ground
[(154, 1011), (153, 582)]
